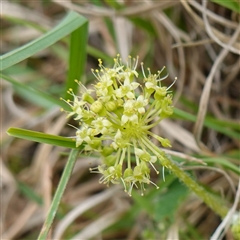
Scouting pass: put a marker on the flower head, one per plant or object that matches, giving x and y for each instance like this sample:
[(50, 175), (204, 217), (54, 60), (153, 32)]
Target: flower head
[(117, 123)]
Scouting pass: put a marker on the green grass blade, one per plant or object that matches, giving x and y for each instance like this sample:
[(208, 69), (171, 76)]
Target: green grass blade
[(58, 195), (29, 193), (70, 23), (99, 54), (143, 24), (59, 50), (224, 130), (77, 57), (42, 137), (224, 162), (221, 122), (33, 95), (230, 4), (220, 126)]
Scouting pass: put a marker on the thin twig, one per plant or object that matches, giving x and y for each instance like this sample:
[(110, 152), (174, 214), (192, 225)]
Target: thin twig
[(216, 170), (93, 10), (193, 43), (207, 88), (214, 16), (81, 208), (183, 155), (212, 35)]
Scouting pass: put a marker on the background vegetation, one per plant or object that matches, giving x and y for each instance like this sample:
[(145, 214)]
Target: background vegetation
[(46, 45)]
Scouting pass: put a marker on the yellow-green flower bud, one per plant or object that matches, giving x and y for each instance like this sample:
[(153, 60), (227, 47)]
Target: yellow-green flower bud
[(110, 106), (95, 143), (119, 102), (167, 111), (96, 106), (166, 143), (88, 98), (160, 93), (106, 151), (128, 173), (110, 160)]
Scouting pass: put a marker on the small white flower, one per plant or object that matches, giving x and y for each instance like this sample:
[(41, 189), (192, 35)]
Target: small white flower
[(129, 113), (83, 135), (140, 103), (126, 89), (119, 141), (101, 125)]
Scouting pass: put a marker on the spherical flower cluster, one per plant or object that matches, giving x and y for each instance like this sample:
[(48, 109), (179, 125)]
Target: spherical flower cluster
[(116, 118)]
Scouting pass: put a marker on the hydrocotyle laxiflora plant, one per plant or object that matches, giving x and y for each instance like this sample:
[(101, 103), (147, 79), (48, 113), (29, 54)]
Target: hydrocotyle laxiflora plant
[(115, 120)]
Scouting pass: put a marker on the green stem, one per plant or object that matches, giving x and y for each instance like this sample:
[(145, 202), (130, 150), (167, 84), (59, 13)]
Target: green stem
[(58, 195), (211, 200)]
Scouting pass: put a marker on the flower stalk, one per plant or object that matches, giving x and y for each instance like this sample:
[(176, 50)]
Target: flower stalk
[(212, 201)]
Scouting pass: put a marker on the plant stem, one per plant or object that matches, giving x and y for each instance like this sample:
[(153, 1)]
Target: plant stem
[(58, 195), (212, 201)]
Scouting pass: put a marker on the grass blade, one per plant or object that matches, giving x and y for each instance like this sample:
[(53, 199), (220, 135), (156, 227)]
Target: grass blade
[(217, 125), (33, 95), (77, 57), (70, 23), (233, 5), (42, 137), (58, 195)]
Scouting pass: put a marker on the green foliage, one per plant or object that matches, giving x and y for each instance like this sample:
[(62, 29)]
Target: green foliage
[(224, 163), (34, 95), (143, 24), (58, 194), (167, 204), (77, 57), (162, 206), (230, 4), (228, 128), (67, 26), (42, 137), (29, 193)]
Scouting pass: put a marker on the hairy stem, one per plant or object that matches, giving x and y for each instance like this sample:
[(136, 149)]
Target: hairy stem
[(212, 201)]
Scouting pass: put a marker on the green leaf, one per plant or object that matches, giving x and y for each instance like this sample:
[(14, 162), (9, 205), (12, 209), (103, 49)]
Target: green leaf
[(58, 194), (168, 203), (77, 58), (115, 4), (225, 163), (143, 202), (42, 137), (233, 5), (33, 95), (217, 125), (70, 23), (144, 24), (99, 54), (29, 193)]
